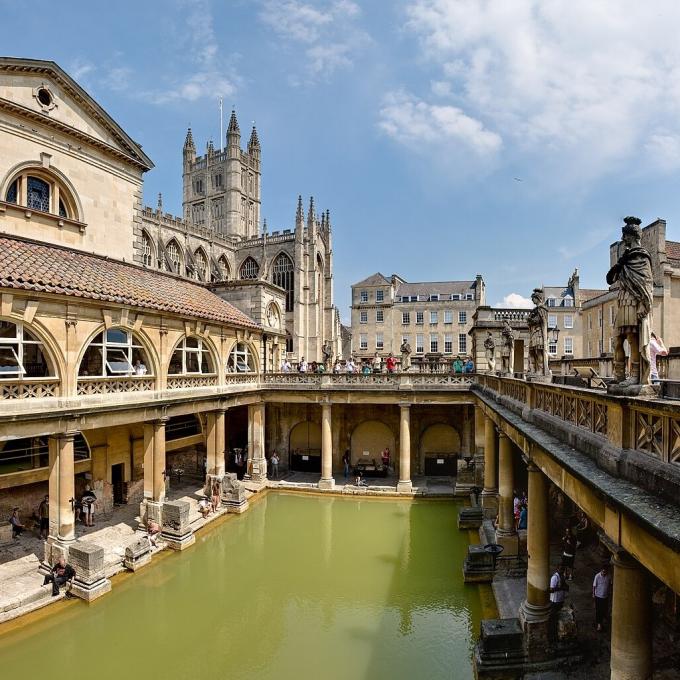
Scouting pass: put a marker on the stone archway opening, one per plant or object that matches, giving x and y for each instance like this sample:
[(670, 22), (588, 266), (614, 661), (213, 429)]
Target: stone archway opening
[(439, 450), (368, 441), (304, 446)]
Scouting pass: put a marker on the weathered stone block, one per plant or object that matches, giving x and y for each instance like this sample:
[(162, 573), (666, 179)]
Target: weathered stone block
[(470, 518), (138, 553), (500, 650), (478, 566), (6, 534), (233, 494), (88, 561), (176, 529)]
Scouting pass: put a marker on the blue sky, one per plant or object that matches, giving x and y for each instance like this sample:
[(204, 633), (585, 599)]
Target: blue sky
[(447, 137)]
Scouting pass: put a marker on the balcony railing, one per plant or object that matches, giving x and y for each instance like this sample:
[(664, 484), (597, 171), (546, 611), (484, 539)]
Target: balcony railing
[(110, 385), (30, 388), (187, 382), (394, 380)]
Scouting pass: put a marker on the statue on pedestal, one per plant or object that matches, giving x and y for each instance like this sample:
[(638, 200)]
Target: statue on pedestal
[(405, 350), (507, 348), (633, 273), (490, 352), (327, 351), (538, 335)]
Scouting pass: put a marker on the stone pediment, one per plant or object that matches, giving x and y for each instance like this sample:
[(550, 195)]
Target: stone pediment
[(42, 92)]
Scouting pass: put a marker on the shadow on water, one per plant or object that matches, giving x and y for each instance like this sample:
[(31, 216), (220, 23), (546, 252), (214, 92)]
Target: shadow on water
[(299, 587)]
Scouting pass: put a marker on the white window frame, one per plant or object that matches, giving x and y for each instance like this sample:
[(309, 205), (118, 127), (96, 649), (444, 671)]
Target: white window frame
[(448, 343), (568, 301), (552, 347), (434, 343), (363, 316), (108, 349), (552, 302), (448, 316), (420, 343), (462, 343), (405, 318), (379, 295), (240, 359), (199, 350), (363, 296), (462, 316), (379, 316), (568, 320), (379, 341), (363, 341), (434, 317), (420, 318), (552, 320), (568, 345)]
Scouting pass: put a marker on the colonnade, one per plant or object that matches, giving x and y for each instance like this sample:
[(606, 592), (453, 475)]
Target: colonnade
[(631, 629)]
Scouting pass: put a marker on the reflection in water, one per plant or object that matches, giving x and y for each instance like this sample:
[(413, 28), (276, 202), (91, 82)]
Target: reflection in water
[(298, 587)]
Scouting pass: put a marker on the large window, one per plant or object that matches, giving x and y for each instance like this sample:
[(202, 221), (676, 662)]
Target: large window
[(448, 316), (249, 269), (191, 356), (147, 249), (448, 343), (434, 343), (22, 355), (420, 343), (240, 359), (552, 320), (114, 352), (379, 341), (201, 265), (568, 321), (175, 256), (363, 317), (462, 343), (37, 189), (363, 341), (283, 276), (568, 345)]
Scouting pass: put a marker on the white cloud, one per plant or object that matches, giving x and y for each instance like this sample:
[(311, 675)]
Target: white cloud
[(588, 83), (515, 301), (327, 33), (415, 122)]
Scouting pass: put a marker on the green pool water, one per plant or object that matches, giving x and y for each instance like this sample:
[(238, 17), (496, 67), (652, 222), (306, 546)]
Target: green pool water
[(298, 587)]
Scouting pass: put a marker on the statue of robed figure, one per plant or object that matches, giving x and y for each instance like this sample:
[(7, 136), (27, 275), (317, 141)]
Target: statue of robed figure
[(405, 350), (507, 348), (537, 320), (633, 274), (490, 352)]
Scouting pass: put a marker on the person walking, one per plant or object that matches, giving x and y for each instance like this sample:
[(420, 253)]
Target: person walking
[(44, 517), (558, 591), (568, 553), (345, 463), (601, 587)]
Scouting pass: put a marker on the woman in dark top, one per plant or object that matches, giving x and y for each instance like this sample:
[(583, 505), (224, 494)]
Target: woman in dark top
[(568, 553), (87, 502)]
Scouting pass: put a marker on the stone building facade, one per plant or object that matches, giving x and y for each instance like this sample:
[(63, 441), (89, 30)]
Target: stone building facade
[(433, 317)]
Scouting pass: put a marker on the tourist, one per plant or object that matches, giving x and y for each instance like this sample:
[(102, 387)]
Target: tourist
[(204, 507), (522, 522), (302, 366), (385, 455), (61, 573), (351, 368), (337, 367), (152, 531), (321, 368), (377, 363), (366, 368), (285, 366), (274, 460), (656, 348), (87, 504), (140, 367), (313, 367), (358, 481), (457, 365), (44, 517), (601, 585), (391, 363), (17, 526), (346, 462), (215, 495), (568, 553), (469, 366), (558, 590), (515, 507)]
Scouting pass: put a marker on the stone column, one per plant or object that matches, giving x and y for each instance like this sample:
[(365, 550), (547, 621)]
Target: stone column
[(631, 638), (535, 610), (215, 440), (62, 496), (506, 534), (490, 492), (405, 484), (326, 481), (154, 470), (256, 457)]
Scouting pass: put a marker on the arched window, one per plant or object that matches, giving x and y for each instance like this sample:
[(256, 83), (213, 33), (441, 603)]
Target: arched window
[(114, 352), (191, 356), (289, 342), (174, 255), (240, 359), (283, 276), (249, 269), (39, 190), (22, 354), (147, 249), (224, 268), (201, 265)]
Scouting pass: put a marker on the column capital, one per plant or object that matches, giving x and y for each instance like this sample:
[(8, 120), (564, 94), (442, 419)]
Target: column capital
[(160, 421), (405, 405), (531, 466), (69, 435), (501, 434), (623, 560)]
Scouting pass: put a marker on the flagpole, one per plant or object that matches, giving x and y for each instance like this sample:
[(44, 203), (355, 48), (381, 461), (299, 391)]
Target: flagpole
[(221, 127)]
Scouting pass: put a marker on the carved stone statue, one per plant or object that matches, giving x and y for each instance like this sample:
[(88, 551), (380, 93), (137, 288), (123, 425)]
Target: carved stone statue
[(327, 351), (405, 350), (507, 348), (633, 273), (490, 351), (537, 320)]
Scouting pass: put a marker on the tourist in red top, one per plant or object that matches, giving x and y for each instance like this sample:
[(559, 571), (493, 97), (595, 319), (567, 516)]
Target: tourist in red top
[(391, 363)]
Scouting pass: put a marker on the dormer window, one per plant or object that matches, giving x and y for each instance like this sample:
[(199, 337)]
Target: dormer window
[(552, 302), (38, 190)]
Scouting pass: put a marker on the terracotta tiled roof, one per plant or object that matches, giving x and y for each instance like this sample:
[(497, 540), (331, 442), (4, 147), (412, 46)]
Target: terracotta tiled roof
[(673, 250), (41, 267)]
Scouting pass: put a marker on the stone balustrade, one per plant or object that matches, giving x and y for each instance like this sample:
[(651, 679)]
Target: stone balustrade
[(29, 388), (110, 385)]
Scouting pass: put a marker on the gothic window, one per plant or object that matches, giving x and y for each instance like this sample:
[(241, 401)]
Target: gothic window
[(289, 342), (283, 276), (114, 352), (201, 265), (198, 186), (217, 209), (174, 256), (217, 180), (249, 269), (224, 268), (22, 354), (199, 213), (37, 189), (191, 356), (240, 359), (146, 251)]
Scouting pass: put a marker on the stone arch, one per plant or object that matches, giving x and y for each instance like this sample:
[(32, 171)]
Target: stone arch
[(206, 345), (439, 448), (176, 265), (202, 264), (306, 436), (147, 238), (249, 269), (225, 269), (371, 436), (254, 352)]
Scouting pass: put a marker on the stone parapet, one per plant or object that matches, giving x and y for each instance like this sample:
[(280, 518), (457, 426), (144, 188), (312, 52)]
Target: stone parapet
[(176, 529), (233, 494), (88, 561), (137, 554)]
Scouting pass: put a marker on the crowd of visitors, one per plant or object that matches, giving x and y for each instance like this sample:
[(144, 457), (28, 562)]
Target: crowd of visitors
[(375, 364)]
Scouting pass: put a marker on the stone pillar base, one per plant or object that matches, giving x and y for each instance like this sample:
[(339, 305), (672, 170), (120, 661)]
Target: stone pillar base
[(258, 470), (235, 506), (176, 531), (54, 548), (405, 486), (90, 591), (327, 483), (535, 623), (88, 561), (138, 554), (462, 489), (510, 542), (490, 504), (150, 510)]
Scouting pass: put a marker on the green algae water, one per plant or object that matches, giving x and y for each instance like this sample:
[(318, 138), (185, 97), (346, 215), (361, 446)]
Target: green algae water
[(298, 587)]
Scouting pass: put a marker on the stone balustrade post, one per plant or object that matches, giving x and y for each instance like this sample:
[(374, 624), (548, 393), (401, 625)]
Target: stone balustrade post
[(256, 454), (490, 492), (506, 535), (405, 485), (326, 481)]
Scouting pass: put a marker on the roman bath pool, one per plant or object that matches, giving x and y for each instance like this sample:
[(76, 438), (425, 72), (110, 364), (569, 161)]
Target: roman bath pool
[(297, 587)]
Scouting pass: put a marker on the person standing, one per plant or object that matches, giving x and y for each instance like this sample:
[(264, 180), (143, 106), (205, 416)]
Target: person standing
[(601, 587), (568, 553), (302, 366), (87, 502), (391, 363), (285, 366), (558, 591), (386, 459), (274, 460), (345, 462), (656, 348), (44, 516), (215, 496), (522, 522), (458, 366)]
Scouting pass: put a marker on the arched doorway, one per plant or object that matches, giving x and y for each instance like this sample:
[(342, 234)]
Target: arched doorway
[(368, 441), (304, 447), (439, 450)]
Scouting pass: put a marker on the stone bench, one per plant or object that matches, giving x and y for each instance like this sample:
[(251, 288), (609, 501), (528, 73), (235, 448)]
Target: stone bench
[(137, 553)]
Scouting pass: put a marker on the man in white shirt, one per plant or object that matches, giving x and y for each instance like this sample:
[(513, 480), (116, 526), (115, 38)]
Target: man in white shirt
[(285, 366), (558, 590), (302, 366), (350, 366), (601, 587), (656, 348)]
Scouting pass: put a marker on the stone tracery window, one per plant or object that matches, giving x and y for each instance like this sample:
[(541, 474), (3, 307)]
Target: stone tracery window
[(175, 257), (191, 356), (37, 189), (22, 354), (249, 269), (147, 258), (201, 265), (283, 276), (114, 352), (224, 268), (240, 359)]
